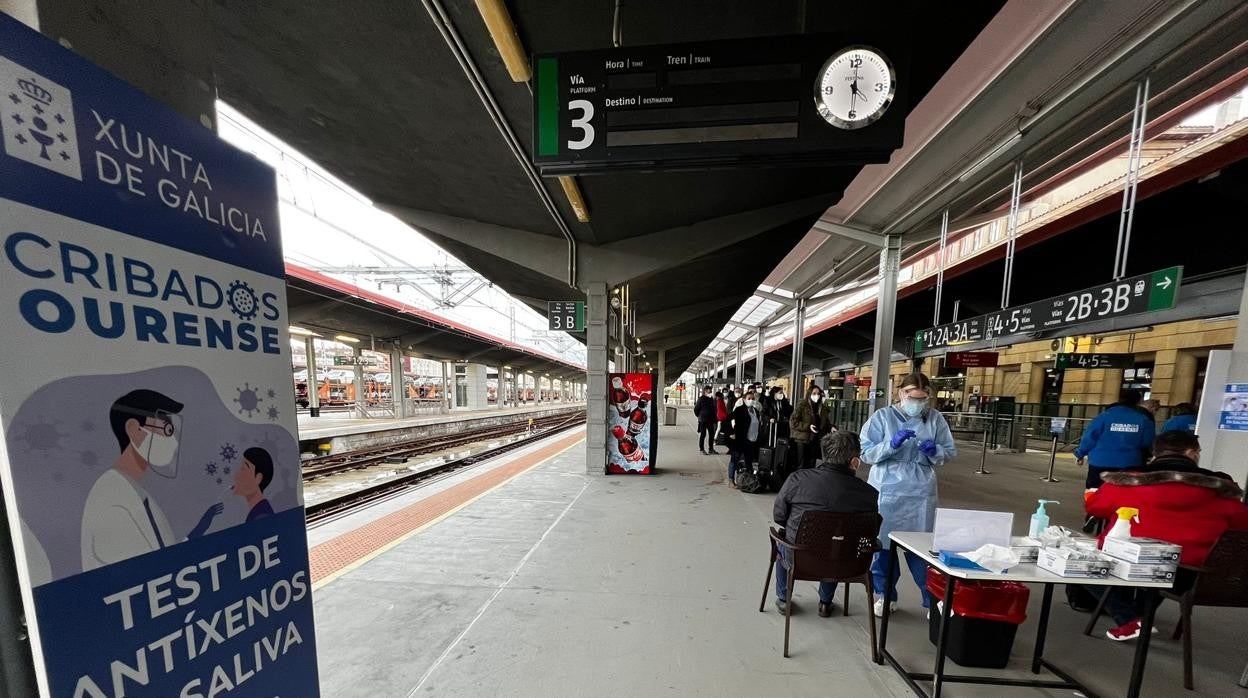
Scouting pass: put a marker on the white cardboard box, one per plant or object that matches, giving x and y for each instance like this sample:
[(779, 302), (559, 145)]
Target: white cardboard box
[(1142, 550), (1142, 572), (1028, 549), (1055, 561)]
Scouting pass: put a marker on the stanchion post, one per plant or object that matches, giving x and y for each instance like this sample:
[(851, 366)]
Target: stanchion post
[(1052, 461), (983, 457)]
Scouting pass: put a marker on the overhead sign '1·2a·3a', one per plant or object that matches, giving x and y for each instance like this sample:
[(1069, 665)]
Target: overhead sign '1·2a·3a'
[(1144, 293)]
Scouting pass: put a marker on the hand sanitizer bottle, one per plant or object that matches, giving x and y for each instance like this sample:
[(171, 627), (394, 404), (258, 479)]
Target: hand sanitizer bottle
[(1040, 519), (1122, 527)]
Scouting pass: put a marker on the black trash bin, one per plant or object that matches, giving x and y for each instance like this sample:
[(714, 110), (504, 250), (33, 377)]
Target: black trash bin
[(985, 617)]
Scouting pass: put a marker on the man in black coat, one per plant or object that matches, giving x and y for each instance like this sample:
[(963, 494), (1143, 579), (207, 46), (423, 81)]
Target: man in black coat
[(832, 486), (704, 410)]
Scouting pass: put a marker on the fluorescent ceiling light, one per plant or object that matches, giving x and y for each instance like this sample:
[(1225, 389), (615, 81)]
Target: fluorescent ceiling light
[(303, 331), (346, 338)]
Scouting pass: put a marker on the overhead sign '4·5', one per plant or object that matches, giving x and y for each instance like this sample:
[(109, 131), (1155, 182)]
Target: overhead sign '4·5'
[(1137, 294)]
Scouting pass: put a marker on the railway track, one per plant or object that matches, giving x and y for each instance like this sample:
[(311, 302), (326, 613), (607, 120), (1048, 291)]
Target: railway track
[(397, 453), (323, 511)]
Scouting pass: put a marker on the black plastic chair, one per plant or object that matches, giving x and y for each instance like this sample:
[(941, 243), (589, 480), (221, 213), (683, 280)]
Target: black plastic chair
[(1222, 581), (829, 547)]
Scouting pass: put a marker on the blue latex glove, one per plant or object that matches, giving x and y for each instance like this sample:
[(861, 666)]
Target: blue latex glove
[(206, 520), (901, 437), (928, 447)]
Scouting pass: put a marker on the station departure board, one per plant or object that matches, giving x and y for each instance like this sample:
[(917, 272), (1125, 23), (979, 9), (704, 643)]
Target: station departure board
[(711, 104), (1129, 296)]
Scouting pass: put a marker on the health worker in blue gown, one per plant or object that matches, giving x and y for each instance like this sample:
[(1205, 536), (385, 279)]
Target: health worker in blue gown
[(904, 443)]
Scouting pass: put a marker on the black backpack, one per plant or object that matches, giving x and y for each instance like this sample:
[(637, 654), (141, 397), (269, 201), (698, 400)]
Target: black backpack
[(747, 481), (1080, 599)]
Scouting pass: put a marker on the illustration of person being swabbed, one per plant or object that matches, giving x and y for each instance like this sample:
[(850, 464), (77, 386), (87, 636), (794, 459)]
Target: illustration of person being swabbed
[(251, 478), (120, 520)]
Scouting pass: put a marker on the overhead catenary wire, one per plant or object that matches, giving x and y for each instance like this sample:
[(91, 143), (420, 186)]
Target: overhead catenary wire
[(446, 28)]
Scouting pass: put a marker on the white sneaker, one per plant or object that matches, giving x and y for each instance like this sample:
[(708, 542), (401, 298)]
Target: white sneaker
[(879, 607)]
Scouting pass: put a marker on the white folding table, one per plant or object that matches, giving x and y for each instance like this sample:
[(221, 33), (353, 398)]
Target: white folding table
[(921, 544)]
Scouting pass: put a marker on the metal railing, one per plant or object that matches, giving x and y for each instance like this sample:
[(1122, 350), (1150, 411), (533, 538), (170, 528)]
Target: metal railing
[(1021, 425)]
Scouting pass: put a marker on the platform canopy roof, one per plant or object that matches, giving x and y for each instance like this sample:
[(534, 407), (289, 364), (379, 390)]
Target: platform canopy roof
[(376, 94), (392, 98)]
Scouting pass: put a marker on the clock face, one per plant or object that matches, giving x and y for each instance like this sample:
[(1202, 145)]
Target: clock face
[(855, 87)]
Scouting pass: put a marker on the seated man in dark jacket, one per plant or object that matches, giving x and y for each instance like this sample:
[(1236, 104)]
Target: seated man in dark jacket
[(832, 486)]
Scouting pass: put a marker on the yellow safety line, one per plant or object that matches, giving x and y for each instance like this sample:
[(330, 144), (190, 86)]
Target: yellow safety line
[(369, 557)]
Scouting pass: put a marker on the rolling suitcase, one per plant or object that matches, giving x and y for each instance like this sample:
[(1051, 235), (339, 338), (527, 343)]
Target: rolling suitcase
[(768, 464)]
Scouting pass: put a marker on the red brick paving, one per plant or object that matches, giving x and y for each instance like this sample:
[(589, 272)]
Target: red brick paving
[(336, 554)]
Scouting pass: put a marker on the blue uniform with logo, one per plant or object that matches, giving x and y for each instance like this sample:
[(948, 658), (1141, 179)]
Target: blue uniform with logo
[(1182, 422), (1117, 439)]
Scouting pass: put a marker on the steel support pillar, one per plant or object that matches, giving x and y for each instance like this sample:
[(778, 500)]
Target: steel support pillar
[(662, 373), (758, 354), (314, 385), (360, 410), (398, 391), (799, 342), (597, 352), (740, 363), (885, 313), (446, 391)]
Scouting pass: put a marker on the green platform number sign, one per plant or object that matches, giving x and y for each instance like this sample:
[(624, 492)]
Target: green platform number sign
[(566, 316)]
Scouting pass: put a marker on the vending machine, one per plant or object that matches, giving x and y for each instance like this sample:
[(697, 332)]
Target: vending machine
[(632, 428)]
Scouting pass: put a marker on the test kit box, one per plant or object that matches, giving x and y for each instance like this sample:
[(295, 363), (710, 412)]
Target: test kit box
[(1142, 550), (1028, 549), (1142, 572), (1061, 562)]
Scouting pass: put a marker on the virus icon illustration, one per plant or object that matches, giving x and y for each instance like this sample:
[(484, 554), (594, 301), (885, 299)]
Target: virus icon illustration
[(229, 453), (210, 467), (248, 401), (219, 481), (273, 414), (225, 470), (272, 393), (242, 300), (42, 436)]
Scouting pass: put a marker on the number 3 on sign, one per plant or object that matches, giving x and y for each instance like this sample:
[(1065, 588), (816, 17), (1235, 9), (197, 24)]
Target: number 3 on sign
[(586, 108)]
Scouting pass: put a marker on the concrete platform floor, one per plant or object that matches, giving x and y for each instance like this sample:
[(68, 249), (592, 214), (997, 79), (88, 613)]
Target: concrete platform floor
[(561, 583)]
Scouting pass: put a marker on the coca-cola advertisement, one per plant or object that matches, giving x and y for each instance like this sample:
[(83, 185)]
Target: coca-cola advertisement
[(632, 428)]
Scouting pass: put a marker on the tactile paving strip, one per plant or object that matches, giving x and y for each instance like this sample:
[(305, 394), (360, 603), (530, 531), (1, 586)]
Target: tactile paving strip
[(336, 555)]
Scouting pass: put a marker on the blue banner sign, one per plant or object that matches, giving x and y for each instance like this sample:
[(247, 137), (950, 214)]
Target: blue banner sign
[(150, 457)]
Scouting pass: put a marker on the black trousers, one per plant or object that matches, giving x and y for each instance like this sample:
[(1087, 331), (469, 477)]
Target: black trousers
[(706, 432), (807, 453)]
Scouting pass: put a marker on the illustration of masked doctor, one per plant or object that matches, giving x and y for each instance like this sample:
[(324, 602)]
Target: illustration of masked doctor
[(120, 520)]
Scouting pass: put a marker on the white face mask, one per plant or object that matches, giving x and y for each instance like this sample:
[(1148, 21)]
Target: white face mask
[(816, 397), (736, 394), (779, 396), (161, 452)]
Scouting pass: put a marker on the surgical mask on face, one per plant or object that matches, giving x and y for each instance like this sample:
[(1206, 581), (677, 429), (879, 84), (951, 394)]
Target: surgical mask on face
[(751, 404), (913, 407), (815, 397), (779, 396), (736, 393), (160, 452)]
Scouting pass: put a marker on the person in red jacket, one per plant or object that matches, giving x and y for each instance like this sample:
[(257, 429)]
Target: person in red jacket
[(1179, 502)]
